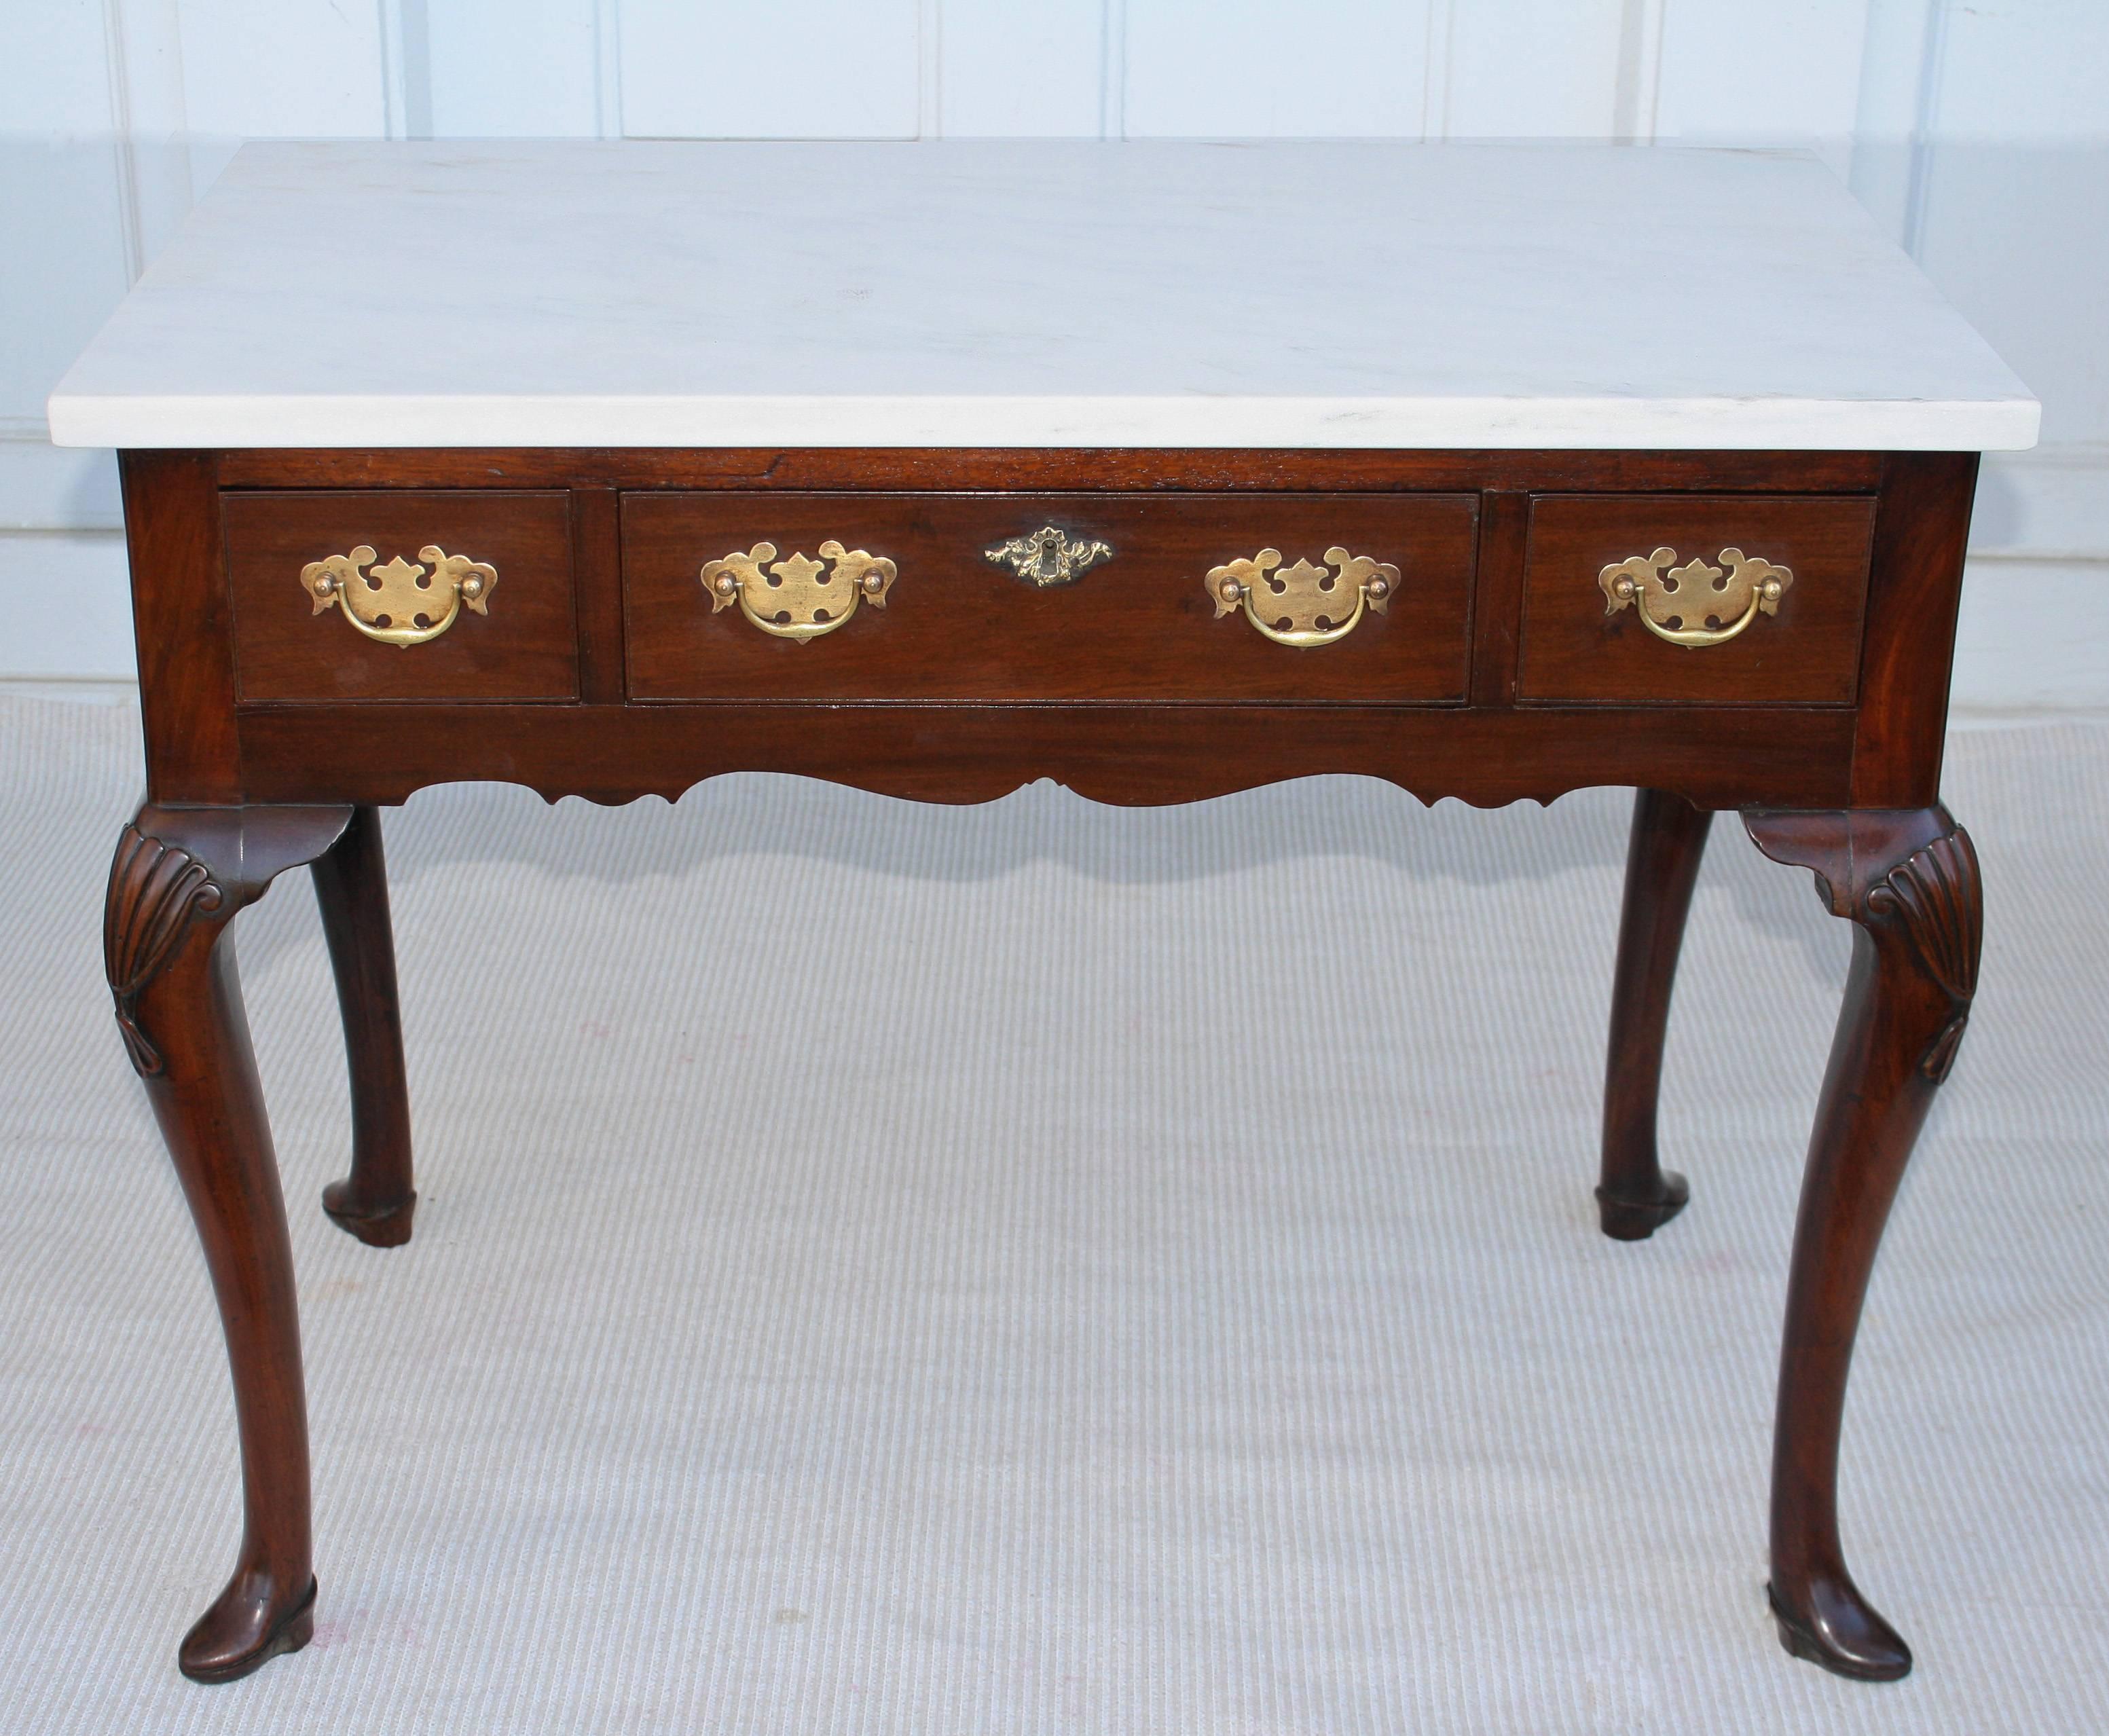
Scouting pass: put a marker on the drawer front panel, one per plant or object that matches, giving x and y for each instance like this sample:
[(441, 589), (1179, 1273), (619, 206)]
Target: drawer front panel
[(1710, 599), (1136, 622), (304, 629)]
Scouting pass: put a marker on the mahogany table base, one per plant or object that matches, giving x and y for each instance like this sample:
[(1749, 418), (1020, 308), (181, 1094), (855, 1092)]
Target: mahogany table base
[(243, 789)]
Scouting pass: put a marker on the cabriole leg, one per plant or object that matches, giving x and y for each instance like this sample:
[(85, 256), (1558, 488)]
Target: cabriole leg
[(1908, 880), (1635, 1197), (178, 877), (375, 1201)]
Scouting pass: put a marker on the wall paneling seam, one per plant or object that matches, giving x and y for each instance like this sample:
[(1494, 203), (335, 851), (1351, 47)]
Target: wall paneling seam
[(131, 231), (406, 68), (394, 97), (930, 68), (1438, 69), (1636, 102), (1113, 69), (607, 68), (1931, 65)]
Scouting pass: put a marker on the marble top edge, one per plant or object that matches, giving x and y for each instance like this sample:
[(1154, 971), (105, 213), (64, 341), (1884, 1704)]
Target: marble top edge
[(1034, 293), (323, 423)]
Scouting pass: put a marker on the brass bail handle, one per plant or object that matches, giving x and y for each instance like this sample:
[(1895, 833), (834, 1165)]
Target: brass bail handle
[(1736, 592), (1304, 605), (798, 598), (400, 604)]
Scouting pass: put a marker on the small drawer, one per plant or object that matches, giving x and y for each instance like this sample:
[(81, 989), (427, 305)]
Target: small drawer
[(436, 595), (1695, 599), (1048, 597)]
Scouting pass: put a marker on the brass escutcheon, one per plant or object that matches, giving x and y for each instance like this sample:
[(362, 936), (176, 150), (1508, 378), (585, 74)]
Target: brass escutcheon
[(1695, 593), (400, 603), (798, 598), (1304, 605), (1048, 558)]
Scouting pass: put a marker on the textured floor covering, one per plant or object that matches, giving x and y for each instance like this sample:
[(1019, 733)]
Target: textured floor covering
[(1040, 1268)]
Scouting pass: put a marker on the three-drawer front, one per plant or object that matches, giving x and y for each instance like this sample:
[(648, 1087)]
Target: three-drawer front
[(1352, 598), (1712, 599), (1192, 596), (412, 594)]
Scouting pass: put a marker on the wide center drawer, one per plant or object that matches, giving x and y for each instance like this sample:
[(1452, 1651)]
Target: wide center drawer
[(1352, 597)]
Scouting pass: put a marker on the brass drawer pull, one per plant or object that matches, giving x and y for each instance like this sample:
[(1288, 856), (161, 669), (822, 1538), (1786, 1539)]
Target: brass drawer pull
[(798, 598), (1048, 558), (399, 604), (1694, 593), (1304, 605)]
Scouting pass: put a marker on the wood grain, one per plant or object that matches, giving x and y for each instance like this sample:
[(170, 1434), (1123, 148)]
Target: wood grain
[(1635, 1196), (376, 1201), (1808, 654), (177, 880), (1498, 596), (1141, 626), (596, 561), (1921, 532), (1908, 880), (180, 623), (526, 647), (1042, 470), (1126, 755), (601, 672)]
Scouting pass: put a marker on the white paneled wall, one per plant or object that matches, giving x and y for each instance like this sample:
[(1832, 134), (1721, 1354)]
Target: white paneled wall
[(1978, 133), (794, 68)]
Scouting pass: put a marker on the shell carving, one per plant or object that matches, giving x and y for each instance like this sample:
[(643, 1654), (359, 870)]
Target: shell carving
[(1932, 896), (156, 890)]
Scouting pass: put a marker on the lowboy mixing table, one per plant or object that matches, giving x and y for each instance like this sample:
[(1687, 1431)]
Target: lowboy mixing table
[(1162, 471)]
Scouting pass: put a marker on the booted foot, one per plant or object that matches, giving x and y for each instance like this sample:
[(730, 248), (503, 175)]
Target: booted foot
[(1843, 1634), (1628, 1219), (377, 1226), (242, 1632)]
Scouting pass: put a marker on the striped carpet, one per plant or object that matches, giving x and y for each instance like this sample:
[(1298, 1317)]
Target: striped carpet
[(1040, 1268)]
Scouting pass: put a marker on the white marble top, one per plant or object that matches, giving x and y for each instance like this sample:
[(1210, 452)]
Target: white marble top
[(1034, 294)]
